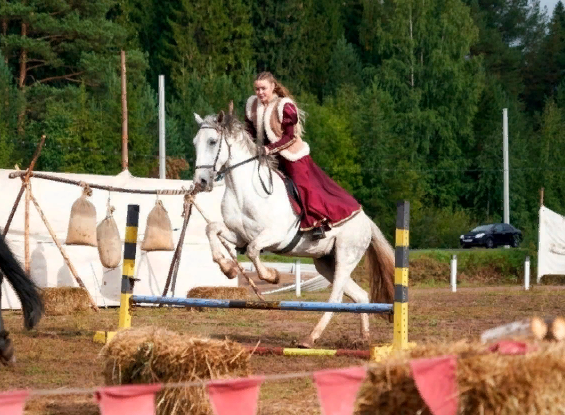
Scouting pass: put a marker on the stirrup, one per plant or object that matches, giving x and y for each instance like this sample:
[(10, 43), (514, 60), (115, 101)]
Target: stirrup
[(318, 233)]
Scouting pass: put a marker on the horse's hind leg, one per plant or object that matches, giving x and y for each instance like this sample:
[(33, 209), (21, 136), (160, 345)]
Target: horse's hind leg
[(339, 277), (326, 267), (265, 239), (359, 295)]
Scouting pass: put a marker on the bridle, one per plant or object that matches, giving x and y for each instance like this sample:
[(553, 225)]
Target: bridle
[(222, 172)]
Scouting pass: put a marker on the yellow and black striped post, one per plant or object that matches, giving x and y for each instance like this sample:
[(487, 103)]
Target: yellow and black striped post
[(400, 337), (128, 273)]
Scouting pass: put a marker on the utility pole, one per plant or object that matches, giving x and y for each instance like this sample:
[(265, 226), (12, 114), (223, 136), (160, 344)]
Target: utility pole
[(125, 160), (162, 158), (506, 173)]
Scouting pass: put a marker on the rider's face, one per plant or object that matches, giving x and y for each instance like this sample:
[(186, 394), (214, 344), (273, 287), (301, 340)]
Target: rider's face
[(264, 90)]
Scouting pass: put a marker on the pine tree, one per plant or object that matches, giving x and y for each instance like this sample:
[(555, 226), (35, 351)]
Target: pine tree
[(344, 67), (544, 69), (423, 53), (10, 103), (210, 37)]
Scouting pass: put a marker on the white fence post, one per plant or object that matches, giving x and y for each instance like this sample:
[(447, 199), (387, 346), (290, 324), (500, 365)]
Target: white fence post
[(298, 277), (454, 273), (527, 273)]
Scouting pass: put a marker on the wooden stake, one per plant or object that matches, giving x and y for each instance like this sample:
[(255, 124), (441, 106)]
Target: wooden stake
[(173, 270), (541, 197), (26, 230), (27, 176), (63, 253), (125, 161), (528, 327), (535, 327), (224, 243)]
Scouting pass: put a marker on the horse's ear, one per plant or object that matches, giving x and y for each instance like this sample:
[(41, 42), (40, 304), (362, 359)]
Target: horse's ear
[(198, 119), (221, 117)]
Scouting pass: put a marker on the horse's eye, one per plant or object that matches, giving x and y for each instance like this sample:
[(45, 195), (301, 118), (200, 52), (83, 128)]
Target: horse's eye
[(213, 142)]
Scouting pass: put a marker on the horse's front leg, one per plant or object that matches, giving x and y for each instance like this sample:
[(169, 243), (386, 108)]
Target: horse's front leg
[(227, 265), (264, 239)]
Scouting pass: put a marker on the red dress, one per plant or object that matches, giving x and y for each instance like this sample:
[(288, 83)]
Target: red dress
[(326, 203)]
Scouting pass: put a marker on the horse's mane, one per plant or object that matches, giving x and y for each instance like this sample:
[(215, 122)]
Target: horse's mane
[(231, 126)]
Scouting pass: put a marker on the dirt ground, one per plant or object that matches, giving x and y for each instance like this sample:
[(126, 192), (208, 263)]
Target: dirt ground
[(60, 353)]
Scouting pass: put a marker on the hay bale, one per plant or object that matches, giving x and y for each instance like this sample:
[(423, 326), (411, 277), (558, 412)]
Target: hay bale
[(146, 355), (488, 383), (218, 293), (62, 301)]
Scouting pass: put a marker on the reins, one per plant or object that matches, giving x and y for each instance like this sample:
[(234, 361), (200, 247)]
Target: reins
[(222, 172)]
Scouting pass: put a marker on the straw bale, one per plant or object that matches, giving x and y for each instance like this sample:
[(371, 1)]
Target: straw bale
[(488, 383), (218, 293), (149, 354), (61, 301)]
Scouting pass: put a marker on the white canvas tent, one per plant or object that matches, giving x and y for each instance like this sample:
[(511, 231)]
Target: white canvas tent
[(55, 199), (551, 246)]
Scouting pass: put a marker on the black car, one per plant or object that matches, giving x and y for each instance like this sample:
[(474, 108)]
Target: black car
[(492, 235)]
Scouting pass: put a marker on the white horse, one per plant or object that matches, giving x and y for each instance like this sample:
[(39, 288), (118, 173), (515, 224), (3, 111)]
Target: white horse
[(258, 215)]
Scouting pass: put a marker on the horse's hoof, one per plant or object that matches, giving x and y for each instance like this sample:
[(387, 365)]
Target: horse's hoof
[(233, 272), (229, 268), (275, 276)]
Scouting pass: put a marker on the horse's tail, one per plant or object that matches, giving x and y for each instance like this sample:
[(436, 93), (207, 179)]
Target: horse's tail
[(379, 263), (25, 288)]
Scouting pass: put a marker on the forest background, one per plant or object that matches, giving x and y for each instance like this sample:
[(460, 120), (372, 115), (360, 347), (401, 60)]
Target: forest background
[(403, 98)]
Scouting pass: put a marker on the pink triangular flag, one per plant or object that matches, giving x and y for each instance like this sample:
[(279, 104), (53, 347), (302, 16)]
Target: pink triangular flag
[(436, 380), (235, 396), (511, 347), (127, 399), (337, 389), (13, 402)]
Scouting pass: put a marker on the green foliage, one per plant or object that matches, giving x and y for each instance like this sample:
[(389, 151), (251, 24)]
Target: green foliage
[(345, 67), (404, 98), (328, 132), (210, 37), (439, 228), (11, 101)]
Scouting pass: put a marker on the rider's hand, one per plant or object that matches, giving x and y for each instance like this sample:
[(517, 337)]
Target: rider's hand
[(263, 150)]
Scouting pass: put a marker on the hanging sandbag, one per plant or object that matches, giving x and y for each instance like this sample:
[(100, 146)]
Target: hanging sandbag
[(109, 242), (159, 231), (82, 223)]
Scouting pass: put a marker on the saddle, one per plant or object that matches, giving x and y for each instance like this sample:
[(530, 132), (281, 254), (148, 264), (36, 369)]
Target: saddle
[(293, 195)]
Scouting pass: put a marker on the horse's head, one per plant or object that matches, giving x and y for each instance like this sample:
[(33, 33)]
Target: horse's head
[(212, 149)]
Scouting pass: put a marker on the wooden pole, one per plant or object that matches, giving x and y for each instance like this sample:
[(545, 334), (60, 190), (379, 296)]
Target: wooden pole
[(125, 161), (26, 230), (541, 197), (63, 253), (169, 192), (224, 243), (27, 176), (173, 270)]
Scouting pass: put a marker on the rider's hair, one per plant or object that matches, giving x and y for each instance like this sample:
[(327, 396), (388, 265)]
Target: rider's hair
[(280, 89)]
